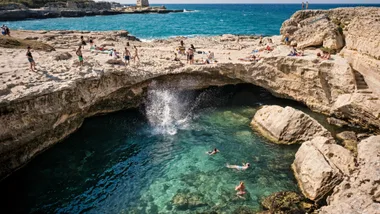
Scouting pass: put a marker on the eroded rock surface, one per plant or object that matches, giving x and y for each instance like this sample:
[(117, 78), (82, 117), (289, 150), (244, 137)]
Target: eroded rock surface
[(359, 192), (320, 165), (287, 125)]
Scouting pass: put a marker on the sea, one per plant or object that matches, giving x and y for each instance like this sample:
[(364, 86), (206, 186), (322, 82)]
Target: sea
[(153, 159), (197, 20)]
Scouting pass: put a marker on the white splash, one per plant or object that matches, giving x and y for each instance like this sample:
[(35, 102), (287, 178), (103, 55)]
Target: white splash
[(165, 111)]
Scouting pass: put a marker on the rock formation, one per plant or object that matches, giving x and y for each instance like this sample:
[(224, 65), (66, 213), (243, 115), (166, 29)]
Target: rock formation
[(360, 191), (320, 165), (38, 111), (287, 125)]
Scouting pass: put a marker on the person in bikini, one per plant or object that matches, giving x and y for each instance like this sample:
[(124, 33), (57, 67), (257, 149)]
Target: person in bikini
[(31, 60), (80, 55), (244, 167), (241, 190), (136, 54)]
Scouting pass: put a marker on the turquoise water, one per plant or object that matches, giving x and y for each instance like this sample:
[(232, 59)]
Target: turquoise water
[(153, 159), (212, 19)]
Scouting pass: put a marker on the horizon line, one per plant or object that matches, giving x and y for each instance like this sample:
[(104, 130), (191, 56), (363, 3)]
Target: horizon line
[(271, 3)]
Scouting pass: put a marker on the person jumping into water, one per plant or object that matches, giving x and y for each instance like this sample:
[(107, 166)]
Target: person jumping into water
[(244, 167)]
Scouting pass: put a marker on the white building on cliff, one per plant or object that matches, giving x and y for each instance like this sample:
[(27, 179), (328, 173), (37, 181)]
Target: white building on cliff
[(142, 3)]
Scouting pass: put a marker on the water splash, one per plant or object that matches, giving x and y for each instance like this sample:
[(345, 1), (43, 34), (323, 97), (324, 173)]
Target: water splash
[(166, 111)]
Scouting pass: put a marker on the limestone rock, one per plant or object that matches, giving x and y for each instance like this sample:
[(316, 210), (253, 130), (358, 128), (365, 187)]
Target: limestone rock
[(115, 62), (313, 31), (336, 122), (62, 56), (287, 125), (358, 108), (320, 165), (360, 192), (347, 135)]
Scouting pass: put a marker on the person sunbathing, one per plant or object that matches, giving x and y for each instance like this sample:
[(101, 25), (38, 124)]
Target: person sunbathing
[(250, 58)]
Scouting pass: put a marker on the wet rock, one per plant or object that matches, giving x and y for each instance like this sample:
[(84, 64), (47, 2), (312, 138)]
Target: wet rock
[(337, 122), (320, 165), (244, 210), (184, 201), (287, 125), (286, 202)]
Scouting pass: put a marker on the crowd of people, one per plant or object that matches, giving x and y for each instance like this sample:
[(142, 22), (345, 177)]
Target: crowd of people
[(206, 57), (190, 55)]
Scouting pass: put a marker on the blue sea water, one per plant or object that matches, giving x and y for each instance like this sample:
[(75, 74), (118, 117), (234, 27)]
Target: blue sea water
[(204, 20)]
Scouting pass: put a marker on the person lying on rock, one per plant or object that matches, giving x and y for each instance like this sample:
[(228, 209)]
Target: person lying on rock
[(244, 167)]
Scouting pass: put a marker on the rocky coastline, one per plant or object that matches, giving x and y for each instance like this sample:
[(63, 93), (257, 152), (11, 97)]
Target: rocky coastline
[(39, 109), (17, 12)]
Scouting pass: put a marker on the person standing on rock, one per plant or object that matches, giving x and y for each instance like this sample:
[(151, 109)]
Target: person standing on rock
[(190, 56), (31, 60), (80, 55), (307, 5), (303, 5), (83, 43), (136, 54), (91, 40), (126, 56)]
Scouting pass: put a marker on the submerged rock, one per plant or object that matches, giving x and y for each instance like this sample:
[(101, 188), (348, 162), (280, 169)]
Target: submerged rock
[(286, 202), (287, 125), (320, 165), (184, 201)]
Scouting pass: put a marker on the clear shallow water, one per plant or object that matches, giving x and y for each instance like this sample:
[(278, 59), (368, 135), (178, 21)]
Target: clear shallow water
[(207, 19), (125, 163)]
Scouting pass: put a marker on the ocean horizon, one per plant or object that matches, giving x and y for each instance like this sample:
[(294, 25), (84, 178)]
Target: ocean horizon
[(198, 20)]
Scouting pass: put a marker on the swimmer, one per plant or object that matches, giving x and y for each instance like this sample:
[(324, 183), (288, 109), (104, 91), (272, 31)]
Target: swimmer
[(213, 152), (244, 167), (241, 190)]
